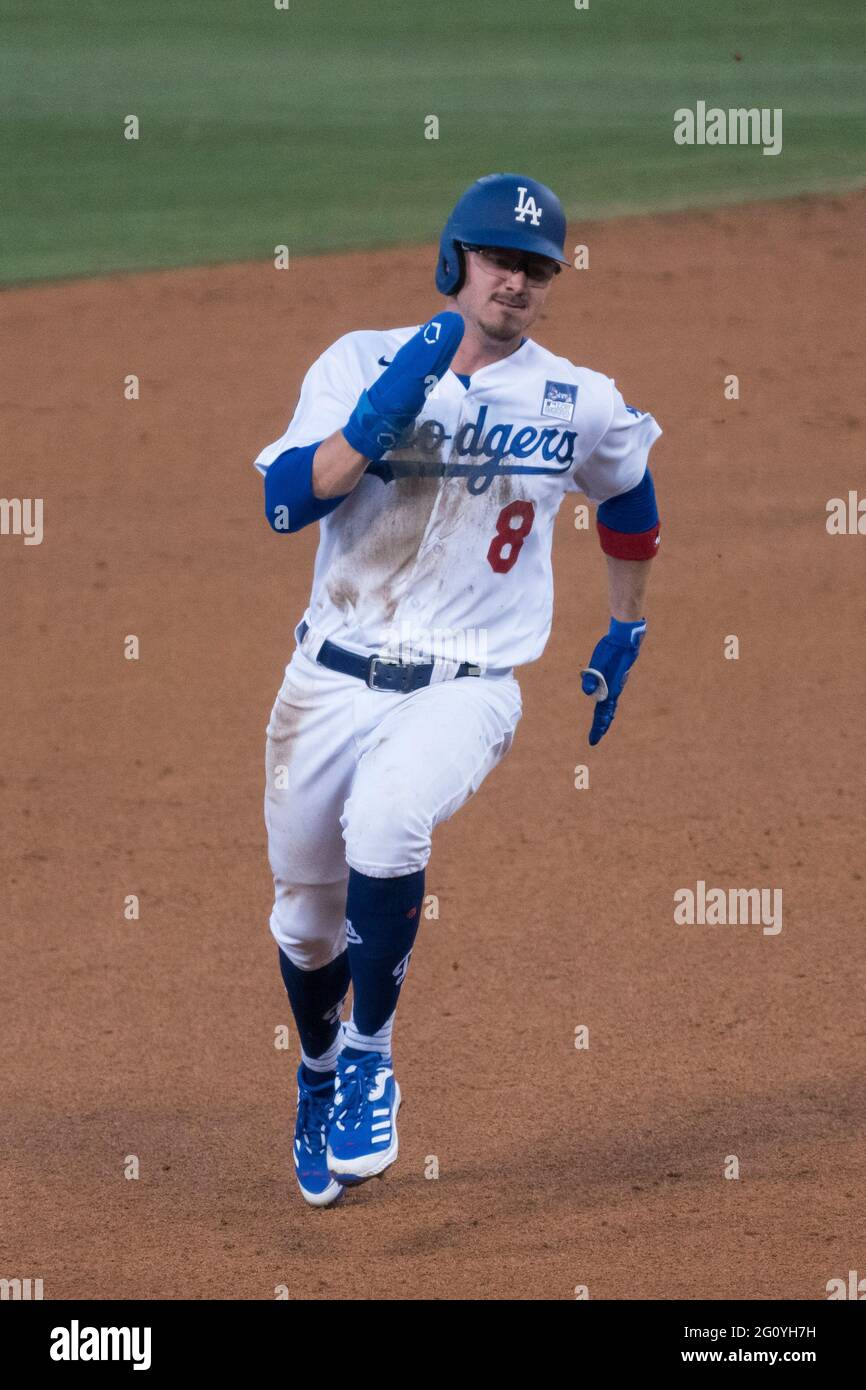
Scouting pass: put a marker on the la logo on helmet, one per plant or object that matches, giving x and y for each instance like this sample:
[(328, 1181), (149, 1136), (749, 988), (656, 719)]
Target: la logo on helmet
[(527, 207)]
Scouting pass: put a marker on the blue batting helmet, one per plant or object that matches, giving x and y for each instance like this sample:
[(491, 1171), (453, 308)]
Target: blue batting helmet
[(501, 210)]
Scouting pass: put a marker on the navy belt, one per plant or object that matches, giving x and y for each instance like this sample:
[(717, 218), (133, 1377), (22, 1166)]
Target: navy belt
[(381, 672)]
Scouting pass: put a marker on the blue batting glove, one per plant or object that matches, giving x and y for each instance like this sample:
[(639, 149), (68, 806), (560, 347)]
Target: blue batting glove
[(612, 660), (396, 398)]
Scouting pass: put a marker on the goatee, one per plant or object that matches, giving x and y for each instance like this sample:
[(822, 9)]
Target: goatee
[(500, 332)]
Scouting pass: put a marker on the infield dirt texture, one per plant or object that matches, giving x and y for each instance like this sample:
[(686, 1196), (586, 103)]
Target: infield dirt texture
[(557, 1166)]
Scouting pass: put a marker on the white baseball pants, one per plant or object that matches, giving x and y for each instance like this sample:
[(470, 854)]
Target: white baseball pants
[(359, 777)]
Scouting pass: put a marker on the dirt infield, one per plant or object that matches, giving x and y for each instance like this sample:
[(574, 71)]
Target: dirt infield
[(558, 1167)]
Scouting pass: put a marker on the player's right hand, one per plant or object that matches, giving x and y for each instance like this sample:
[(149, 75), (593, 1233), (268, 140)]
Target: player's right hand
[(429, 354), (395, 399)]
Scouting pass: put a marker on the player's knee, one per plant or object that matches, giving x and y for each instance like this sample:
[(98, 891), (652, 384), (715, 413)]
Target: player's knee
[(308, 921), (384, 831)]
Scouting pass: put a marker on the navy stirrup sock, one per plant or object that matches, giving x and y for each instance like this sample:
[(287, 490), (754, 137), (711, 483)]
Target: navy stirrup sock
[(316, 997), (383, 915)]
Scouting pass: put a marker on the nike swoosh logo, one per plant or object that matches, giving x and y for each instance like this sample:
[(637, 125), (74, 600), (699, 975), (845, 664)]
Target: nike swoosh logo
[(384, 361)]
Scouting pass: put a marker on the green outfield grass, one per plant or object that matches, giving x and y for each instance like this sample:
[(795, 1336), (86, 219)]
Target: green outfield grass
[(306, 127)]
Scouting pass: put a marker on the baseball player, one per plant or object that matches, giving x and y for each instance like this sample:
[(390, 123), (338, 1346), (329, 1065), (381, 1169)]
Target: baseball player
[(434, 459)]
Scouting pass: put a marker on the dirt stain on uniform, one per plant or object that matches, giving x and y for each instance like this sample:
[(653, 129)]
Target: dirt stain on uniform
[(375, 560), (343, 594), (292, 709)]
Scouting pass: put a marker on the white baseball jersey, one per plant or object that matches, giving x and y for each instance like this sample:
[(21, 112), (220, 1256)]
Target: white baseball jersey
[(443, 549)]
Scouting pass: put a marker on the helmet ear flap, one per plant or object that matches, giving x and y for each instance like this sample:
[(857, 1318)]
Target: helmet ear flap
[(460, 270), (451, 268)]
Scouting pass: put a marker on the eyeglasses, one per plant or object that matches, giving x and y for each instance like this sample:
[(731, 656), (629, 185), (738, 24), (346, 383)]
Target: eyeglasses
[(497, 260)]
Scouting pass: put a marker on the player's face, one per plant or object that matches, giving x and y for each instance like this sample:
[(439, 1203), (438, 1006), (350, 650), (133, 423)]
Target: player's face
[(500, 298)]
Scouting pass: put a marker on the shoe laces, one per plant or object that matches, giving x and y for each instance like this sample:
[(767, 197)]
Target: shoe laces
[(354, 1085), (314, 1109)]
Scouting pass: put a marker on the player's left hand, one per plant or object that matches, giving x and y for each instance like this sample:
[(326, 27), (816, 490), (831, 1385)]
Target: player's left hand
[(608, 670)]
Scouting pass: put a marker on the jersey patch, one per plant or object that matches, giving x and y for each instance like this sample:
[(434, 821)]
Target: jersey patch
[(560, 398)]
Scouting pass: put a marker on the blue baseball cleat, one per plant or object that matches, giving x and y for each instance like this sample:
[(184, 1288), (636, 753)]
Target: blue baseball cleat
[(362, 1139), (310, 1146)]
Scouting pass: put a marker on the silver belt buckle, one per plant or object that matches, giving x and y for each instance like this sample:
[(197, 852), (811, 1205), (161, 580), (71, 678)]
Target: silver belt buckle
[(377, 663)]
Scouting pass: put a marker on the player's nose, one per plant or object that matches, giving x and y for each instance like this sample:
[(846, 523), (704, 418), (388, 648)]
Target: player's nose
[(516, 281)]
